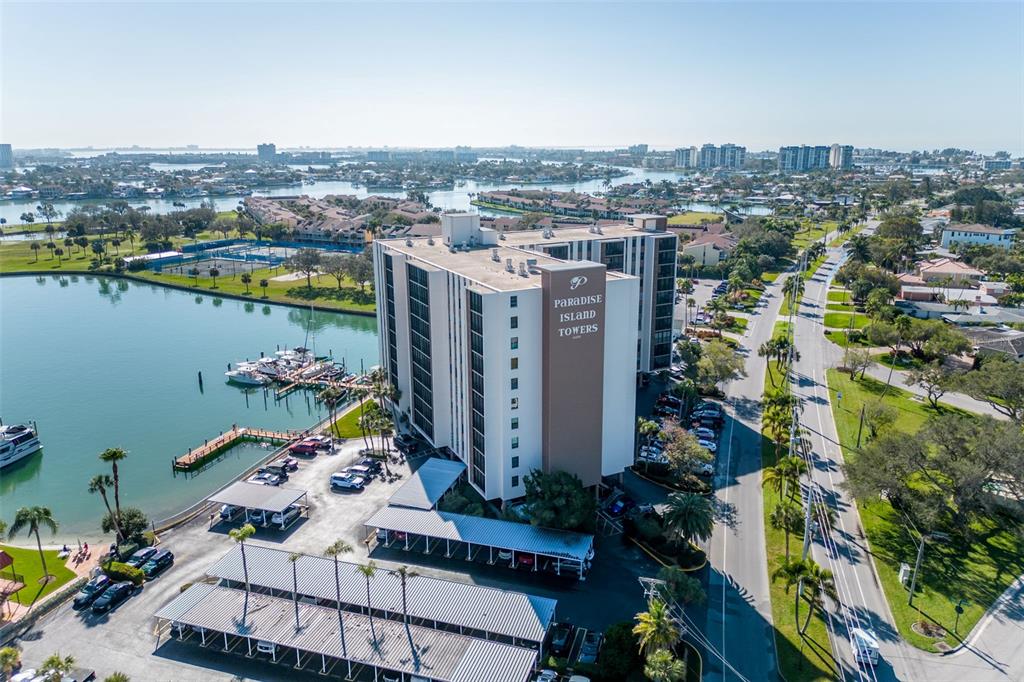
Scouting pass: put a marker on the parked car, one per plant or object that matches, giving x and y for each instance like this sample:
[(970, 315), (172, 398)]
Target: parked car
[(228, 511), (256, 516), (504, 555), (666, 411), (591, 647), (266, 478), (406, 443), (266, 647), (91, 591), (359, 470), (113, 596), (289, 463), (319, 442), (302, 448), (709, 445), (707, 406), (561, 638), (546, 676), (372, 464), (669, 400), (704, 433), (710, 419), (621, 505), (276, 470), (283, 518), (158, 563), (347, 481), (141, 556), (703, 468)]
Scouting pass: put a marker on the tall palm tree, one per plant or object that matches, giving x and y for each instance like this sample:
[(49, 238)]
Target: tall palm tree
[(656, 628), (859, 248), (792, 572), (787, 517), (246, 278), (113, 456), (690, 516), (360, 393), (767, 351), (99, 484), (784, 474), (240, 535), (57, 667), (819, 581), (404, 573), (662, 666), (31, 519), (368, 569), (294, 558), (334, 550)]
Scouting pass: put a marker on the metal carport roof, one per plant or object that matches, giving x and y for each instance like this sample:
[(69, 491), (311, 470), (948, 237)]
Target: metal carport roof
[(258, 496), (435, 654), (428, 484), (476, 530), (498, 612)]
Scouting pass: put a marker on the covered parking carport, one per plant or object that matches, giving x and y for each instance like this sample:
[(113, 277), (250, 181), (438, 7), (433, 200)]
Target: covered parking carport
[(319, 638), (428, 484), (260, 502), (560, 550)]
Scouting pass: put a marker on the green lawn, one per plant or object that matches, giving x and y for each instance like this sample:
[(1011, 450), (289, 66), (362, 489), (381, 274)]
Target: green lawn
[(812, 268), (841, 239), (738, 326), (838, 337), (801, 659), (27, 565), (841, 307), (769, 277), (18, 257), (347, 425), (842, 320), (839, 296), (978, 571), (903, 361), (694, 218), (812, 232), (781, 329)]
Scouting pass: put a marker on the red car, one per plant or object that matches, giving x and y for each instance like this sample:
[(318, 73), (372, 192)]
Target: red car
[(302, 448)]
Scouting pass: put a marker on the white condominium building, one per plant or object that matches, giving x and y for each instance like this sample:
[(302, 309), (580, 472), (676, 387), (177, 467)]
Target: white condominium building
[(518, 351)]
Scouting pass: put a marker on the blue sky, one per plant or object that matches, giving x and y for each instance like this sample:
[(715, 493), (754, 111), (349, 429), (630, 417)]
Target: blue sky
[(901, 76)]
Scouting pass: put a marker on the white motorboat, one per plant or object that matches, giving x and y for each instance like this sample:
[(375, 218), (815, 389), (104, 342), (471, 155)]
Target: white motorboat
[(246, 377), (17, 441)]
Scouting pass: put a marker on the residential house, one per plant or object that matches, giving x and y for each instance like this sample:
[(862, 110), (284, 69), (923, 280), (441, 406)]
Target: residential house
[(982, 235), (709, 249)]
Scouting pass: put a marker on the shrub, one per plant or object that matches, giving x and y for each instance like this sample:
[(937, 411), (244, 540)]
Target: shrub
[(116, 570), (620, 653)]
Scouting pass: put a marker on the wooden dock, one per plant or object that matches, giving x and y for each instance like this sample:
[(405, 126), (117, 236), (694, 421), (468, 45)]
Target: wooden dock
[(195, 458)]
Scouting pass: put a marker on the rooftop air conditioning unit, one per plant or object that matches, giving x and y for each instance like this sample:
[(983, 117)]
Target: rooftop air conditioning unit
[(523, 272), (494, 256), (508, 265)]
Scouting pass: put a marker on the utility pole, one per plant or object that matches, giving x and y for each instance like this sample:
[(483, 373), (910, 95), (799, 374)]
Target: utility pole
[(917, 567), (860, 428)]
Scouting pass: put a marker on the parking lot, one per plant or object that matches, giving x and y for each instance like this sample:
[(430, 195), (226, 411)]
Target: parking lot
[(124, 639)]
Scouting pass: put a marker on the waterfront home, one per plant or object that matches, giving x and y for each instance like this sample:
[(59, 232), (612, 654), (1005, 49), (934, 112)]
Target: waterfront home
[(709, 249), (982, 235)]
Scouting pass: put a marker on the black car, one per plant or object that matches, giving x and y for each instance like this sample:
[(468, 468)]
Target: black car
[(141, 556), (370, 463), (158, 563), (112, 596), (561, 638), (91, 591), (406, 443), (278, 470)]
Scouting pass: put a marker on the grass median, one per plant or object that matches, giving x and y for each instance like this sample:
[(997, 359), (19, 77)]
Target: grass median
[(976, 571)]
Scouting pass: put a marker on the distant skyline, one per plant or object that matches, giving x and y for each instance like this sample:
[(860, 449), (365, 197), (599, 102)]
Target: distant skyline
[(895, 76)]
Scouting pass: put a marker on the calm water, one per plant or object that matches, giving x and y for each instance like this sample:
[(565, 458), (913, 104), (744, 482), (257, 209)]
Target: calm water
[(100, 362), (457, 199)]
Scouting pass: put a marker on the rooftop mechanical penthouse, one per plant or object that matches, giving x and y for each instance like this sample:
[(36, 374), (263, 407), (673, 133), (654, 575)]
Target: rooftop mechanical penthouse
[(519, 350)]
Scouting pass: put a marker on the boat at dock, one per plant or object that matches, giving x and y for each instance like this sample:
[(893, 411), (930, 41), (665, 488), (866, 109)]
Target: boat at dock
[(246, 376), (17, 441)]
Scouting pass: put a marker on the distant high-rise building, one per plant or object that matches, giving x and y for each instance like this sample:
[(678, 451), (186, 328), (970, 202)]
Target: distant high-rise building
[(841, 156), (795, 159), (378, 156), (726, 156), (266, 153), (6, 157), (637, 149), (687, 157)]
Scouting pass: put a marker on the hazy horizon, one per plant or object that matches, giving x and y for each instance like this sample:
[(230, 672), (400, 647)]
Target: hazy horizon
[(229, 75)]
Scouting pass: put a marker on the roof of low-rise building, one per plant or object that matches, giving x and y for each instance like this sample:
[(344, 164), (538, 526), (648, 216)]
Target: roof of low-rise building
[(948, 265), (977, 228), (428, 484), (722, 242)]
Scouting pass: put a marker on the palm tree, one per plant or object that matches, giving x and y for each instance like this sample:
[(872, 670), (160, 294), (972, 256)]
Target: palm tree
[(776, 422), (785, 473), (57, 667), (337, 548), (662, 666), (35, 250), (113, 456), (403, 573), (787, 517), (240, 535), (792, 572), (214, 273), (130, 235), (819, 581), (368, 570), (31, 519), (767, 351), (117, 677), (656, 628), (99, 484), (264, 284), (10, 659), (246, 278), (359, 393), (294, 558), (70, 243), (58, 252), (690, 516)]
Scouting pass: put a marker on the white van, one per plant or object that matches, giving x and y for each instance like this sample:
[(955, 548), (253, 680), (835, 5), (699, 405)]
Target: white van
[(267, 648), (865, 646)]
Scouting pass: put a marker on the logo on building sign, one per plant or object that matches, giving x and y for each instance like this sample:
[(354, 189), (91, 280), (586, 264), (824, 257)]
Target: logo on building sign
[(576, 282)]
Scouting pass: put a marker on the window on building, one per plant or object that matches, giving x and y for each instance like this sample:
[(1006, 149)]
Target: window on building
[(515, 481), (515, 442), (514, 322), (515, 383), (515, 462), (515, 422), (514, 363), (515, 343), (514, 301), (515, 403)]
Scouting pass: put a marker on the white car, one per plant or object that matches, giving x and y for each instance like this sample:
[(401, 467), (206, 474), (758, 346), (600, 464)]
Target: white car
[(703, 468), (546, 676), (287, 516), (266, 478), (704, 433), (708, 444), (347, 481)]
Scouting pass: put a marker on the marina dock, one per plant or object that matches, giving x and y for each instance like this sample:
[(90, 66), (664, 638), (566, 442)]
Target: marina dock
[(196, 458)]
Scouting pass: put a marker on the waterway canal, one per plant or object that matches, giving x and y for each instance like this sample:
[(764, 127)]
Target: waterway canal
[(100, 362)]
